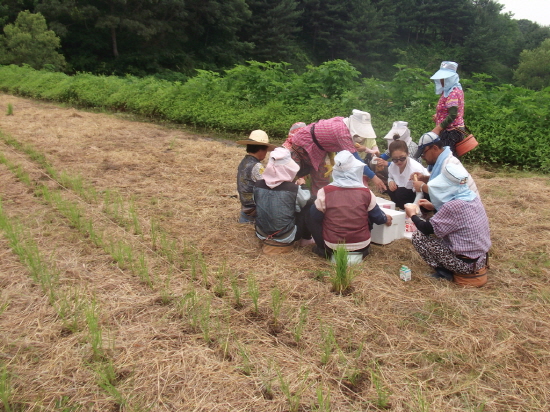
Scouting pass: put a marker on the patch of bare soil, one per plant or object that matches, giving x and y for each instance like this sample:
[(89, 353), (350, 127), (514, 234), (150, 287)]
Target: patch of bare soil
[(186, 336)]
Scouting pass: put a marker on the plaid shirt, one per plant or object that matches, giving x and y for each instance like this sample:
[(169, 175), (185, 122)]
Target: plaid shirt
[(464, 227), (332, 134)]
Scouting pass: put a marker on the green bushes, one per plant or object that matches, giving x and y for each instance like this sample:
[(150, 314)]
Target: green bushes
[(509, 122)]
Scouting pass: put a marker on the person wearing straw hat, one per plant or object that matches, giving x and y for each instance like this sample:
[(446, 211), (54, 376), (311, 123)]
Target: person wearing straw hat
[(311, 144), (345, 210), (281, 205), (250, 170), (449, 115), (459, 250)]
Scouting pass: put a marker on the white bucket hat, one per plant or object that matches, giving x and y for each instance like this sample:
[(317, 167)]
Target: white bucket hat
[(359, 124), (400, 128)]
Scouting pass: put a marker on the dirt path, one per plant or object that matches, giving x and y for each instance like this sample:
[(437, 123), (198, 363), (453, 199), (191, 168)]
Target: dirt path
[(144, 228)]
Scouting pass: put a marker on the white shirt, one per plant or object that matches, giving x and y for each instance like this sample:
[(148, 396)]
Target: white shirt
[(403, 179)]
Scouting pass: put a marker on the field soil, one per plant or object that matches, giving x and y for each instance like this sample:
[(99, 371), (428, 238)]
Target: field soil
[(127, 284)]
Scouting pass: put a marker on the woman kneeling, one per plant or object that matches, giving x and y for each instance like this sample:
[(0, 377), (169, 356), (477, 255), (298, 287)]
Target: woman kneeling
[(460, 249)]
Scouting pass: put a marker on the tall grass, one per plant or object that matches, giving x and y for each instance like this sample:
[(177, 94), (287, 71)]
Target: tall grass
[(343, 274)]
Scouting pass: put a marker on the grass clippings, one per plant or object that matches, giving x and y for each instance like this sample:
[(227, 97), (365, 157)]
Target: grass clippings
[(187, 323)]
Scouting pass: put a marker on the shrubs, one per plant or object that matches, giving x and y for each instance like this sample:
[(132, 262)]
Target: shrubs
[(509, 122)]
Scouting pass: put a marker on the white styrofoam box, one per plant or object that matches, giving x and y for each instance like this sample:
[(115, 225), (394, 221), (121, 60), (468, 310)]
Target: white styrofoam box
[(353, 258), (384, 203), (383, 234)]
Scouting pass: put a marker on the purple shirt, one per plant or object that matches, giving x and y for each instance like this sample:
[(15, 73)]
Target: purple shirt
[(464, 227), (332, 134)]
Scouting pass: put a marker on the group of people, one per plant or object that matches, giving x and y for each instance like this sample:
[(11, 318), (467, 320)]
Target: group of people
[(454, 240)]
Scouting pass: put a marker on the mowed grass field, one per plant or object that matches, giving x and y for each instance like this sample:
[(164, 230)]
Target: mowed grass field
[(126, 284)]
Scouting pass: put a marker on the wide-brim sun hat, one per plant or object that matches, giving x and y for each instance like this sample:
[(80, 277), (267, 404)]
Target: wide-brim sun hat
[(426, 140), (359, 123), (446, 70), (400, 128), (259, 138)]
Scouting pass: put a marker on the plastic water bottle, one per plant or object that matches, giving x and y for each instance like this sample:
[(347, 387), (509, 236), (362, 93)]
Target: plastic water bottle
[(405, 273)]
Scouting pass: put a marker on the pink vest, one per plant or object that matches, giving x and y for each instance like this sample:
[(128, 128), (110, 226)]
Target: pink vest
[(347, 215)]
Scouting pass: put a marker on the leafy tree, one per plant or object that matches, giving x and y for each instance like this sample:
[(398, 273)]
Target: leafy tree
[(533, 71), (28, 41)]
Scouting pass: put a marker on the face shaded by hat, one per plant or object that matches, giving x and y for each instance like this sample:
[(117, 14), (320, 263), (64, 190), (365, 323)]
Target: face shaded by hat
[(360, 126), (347, 170), (447, 73), (258, 138), (450, 184), (427, 139), (399, 128), (280, 168)]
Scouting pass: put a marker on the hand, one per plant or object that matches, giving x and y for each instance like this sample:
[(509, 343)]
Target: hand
[(420, 177), (392, 186), (437, 129), (300, 181), (426, 204), (379, 184), (360, 148), (381, 162), (411, 209), (389, 220), (418, 185)]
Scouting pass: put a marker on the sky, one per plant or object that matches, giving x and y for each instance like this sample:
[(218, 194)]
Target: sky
[(534, 10)]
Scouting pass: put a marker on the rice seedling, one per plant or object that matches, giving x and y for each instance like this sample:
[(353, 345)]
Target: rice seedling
[(205, 320), (219, 287), (247, 366), (236, 292), (154, 232), (69, 307), (4, 306), (328, 343), (6, 391), (166, 294), (298, 329), (253, 292), (141, 268), (107, 380), (343, 274), (294, 397), (277, 300), (382, 394), (323, 400), (133, 216), (9, 112), (95, 334)]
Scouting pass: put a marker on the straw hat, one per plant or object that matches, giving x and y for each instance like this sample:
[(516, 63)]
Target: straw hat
[(258, 137)]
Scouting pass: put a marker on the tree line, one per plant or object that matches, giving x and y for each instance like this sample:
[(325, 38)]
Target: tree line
[(173, 38)]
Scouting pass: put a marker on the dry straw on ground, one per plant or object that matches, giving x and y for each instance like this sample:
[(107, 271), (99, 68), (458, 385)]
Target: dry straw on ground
[(184, 345)]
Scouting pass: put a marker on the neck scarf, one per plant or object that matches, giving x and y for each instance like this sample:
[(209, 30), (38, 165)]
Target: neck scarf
[(448, 85), (451, 184)]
